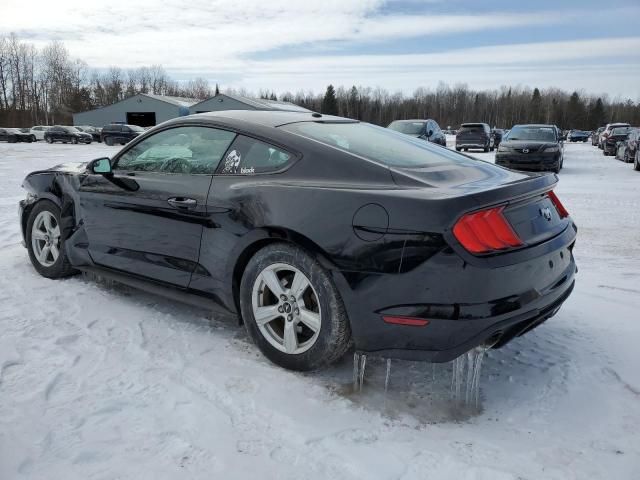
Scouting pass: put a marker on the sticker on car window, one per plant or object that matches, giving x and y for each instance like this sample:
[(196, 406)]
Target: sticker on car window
[(232, 162)]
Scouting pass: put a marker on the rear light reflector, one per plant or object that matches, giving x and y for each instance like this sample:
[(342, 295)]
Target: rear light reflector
[(558, 204), (409, 321), (486, 231)]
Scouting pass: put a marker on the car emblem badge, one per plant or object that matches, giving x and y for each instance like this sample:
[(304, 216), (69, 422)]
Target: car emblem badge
[(546, 213), (525, 150)]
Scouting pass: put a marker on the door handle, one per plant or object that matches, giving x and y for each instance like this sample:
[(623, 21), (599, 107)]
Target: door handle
[(182, 202)]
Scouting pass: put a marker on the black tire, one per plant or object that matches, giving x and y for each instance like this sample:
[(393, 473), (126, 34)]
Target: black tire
[(626, 158), (458, 149), (334, 337), (61, 268), (49, 140), (108, 141), (12, 140), (636, 161), (74, 140)]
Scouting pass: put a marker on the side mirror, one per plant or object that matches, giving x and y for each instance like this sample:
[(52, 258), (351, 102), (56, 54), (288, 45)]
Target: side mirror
[(429, 133), (101, 166)]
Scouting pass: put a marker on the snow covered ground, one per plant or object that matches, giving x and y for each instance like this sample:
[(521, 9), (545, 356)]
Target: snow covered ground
[(99, 382)]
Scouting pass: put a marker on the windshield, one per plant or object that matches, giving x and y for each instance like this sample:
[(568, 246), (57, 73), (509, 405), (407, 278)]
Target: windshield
[(472, 127), (620, 130), (376, 143), (536, 134), (410, 128), (13, 130), (71, 129), (136, 128)]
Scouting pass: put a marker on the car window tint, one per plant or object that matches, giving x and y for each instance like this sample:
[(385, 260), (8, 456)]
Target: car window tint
[(249, 156), (187, 150)]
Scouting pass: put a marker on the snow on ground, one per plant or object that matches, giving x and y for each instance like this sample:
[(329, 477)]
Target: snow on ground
[(100, 382)]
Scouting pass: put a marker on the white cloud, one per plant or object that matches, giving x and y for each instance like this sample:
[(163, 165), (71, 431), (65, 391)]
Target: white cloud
[(223, 39)]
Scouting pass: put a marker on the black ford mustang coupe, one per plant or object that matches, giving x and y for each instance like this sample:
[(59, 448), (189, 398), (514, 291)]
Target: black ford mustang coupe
[(319, 232)]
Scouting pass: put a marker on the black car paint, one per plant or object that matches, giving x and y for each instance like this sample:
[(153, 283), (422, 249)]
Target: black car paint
[(529, 154), (118, 133), (358, 218), (59, 133), (13, 136)]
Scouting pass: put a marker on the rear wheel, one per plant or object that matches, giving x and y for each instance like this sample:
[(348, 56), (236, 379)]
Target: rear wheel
[(12, 140), (636, 162), (292, 310), (45, 243), (626, 158), (49, 140), (108, 141), (74, 140), (486, 149), (458, 149)]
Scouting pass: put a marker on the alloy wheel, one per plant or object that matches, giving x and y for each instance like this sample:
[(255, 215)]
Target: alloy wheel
[(45, 238), (286, 308)]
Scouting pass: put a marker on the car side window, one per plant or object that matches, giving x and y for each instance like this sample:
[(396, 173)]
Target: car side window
[(186, 150), (247, 156)]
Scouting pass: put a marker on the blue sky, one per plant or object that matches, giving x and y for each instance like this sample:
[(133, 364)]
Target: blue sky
[(400, 45)]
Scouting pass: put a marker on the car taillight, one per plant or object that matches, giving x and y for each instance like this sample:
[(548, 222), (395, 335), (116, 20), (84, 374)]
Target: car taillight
[(486, 231), (558, 204)]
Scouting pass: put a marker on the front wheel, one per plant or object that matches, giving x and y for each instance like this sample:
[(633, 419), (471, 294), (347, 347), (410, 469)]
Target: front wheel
[(292, 310), (49, 140), (636, 162), (45, 243), (74, 140)]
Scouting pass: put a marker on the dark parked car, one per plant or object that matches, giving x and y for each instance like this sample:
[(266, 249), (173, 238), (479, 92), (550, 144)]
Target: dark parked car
[(578, 136), (306, 227), (62, 134), (93, 131), (474, 135), (615, 135), (595, 136), (607, 132), (426, 129), (531, 147), (120, 133), (626, 149), (13, 135)]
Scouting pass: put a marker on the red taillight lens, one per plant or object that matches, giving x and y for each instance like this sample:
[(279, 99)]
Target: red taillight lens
[(558, 204), (408, 321), (486, 231)]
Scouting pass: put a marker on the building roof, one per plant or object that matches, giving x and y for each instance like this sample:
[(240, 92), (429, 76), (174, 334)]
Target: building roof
[(260, 103), (177, 101)]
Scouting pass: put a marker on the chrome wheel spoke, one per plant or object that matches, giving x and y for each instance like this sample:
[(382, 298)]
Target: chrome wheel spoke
[(290, 338), (310, 319), (38, 235), (48, 224), (55, 231), (44, 255), (298, 285), (271, 280), (54, 252), (264, 315)]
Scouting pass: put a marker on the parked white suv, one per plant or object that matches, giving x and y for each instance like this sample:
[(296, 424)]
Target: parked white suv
[(38, 131)]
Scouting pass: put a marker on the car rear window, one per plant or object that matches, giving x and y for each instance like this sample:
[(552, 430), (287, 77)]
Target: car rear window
[(376, 143), (410, 128), (471, 127), (534, 134)]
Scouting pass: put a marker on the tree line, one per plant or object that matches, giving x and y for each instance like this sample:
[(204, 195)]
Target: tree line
[(47, 85)]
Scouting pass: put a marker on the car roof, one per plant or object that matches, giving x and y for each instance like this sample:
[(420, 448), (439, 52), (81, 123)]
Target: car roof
[(541, 125), (269, 118), (411, 120)]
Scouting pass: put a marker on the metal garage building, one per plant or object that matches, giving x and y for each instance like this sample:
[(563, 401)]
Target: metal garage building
[(144, 110), (224, 101)]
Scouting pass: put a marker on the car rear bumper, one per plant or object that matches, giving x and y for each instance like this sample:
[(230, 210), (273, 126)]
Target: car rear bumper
[(466, 305), (472, 145)]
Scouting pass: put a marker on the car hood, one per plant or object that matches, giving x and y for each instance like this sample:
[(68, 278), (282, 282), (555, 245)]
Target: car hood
[(70, 167)]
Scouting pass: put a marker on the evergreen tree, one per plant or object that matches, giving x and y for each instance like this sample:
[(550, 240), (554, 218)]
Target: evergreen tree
[(217, 90), (354, 107), (329, 102), (576, 111), (536, 107), (597, 114)]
